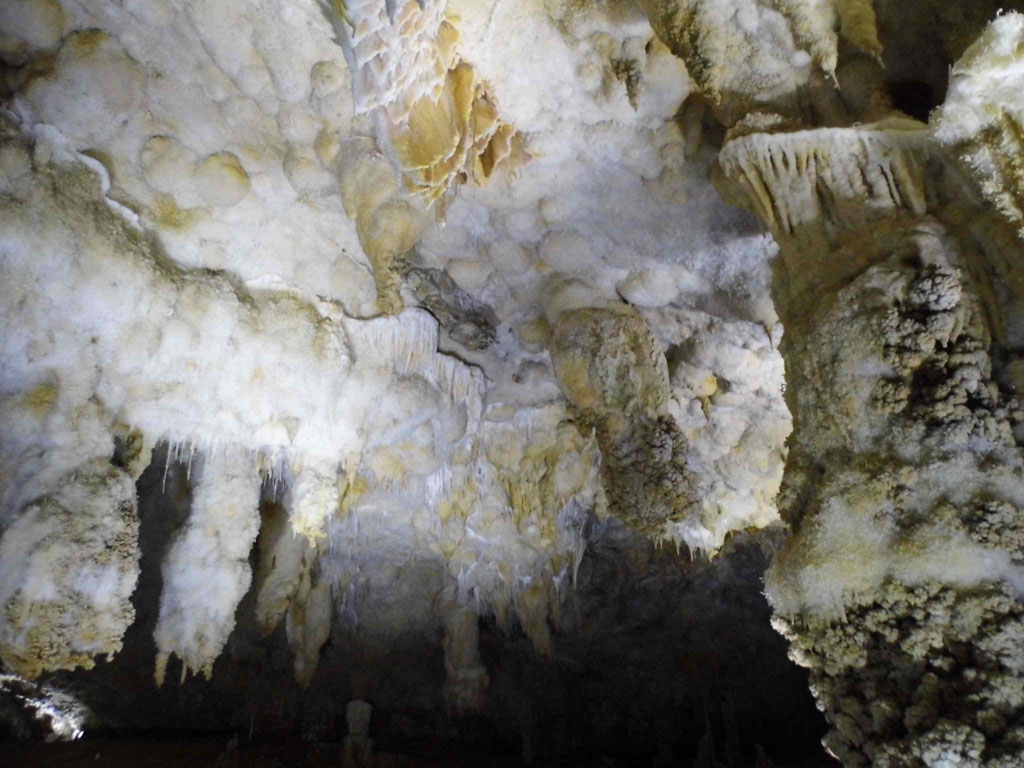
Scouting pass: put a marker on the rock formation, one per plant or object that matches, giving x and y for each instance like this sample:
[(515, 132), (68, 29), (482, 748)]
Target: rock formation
[(903, 455), (470, 360)]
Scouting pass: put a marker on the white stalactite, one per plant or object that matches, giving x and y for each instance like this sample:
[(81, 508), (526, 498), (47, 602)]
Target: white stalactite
[(206, 571)]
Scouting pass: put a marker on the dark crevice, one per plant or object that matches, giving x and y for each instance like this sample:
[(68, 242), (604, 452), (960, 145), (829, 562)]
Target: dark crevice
[(914, 97)]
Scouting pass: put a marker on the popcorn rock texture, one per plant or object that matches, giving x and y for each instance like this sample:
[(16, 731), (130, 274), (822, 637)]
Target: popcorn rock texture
[(905, 448), (373, 351), (68, 565), (611, 369)]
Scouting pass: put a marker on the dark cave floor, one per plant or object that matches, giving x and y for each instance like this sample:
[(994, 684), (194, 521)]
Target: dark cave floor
[(200, 752)]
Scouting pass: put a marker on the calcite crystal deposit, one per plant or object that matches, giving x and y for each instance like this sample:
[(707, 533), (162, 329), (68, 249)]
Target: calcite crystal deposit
[(902, 321), (421, 304)]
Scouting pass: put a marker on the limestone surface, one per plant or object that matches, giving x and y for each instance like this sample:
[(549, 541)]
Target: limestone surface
[(430, 305)]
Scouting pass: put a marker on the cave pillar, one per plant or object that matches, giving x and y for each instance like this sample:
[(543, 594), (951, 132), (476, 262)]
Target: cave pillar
[(899, 291), (358, 744), (899, 588)]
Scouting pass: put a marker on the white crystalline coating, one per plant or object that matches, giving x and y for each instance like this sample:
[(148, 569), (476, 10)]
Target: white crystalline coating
[(982, 115), (377, 392), (494, 521), (781, 173), (186, 359), (727, 382), (984, 84), (760, 34), (433, 116), (852, 550), (228, 314), (395, 54), (206, 571), (814, 25), (592, 219), (764, 55), (197, 80), (68, 566), (313, 497)]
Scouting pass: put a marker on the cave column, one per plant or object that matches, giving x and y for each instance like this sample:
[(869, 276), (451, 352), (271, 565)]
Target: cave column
[(904, 485), (904, 481)]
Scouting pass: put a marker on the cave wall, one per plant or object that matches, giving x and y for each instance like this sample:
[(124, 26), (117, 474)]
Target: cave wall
[(352, 353)]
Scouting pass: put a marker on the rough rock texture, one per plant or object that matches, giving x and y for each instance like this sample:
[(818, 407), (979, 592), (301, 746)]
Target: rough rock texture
[(651, 653), (415, 471), (904, 485), (439, 119), (982, 121), (418, 438), (225, 218), (467, 322), (788, 48), (68, 564), (923, 39), (466, 678), (388, 222), (611, 369), (904, 477), (435, 126)]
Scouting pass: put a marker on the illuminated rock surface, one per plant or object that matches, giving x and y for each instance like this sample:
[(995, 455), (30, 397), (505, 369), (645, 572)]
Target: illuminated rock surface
[(422, 354)]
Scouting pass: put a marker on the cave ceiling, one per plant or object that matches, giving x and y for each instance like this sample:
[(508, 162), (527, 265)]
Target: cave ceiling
[(435, 353)]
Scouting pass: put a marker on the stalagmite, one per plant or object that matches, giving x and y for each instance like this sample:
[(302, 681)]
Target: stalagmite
[(358, 744), (308, 625), (284, 562), (466, 677)]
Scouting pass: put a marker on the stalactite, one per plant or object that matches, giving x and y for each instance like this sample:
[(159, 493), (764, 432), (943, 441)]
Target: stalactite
[(611, 369), (68, 565), (206, 571)]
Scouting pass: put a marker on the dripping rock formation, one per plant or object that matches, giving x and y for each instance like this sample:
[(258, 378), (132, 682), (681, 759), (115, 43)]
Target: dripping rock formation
[(466, 382)]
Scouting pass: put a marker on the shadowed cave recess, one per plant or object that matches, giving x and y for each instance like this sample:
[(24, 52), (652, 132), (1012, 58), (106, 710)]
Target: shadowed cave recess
[(469, 382)]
